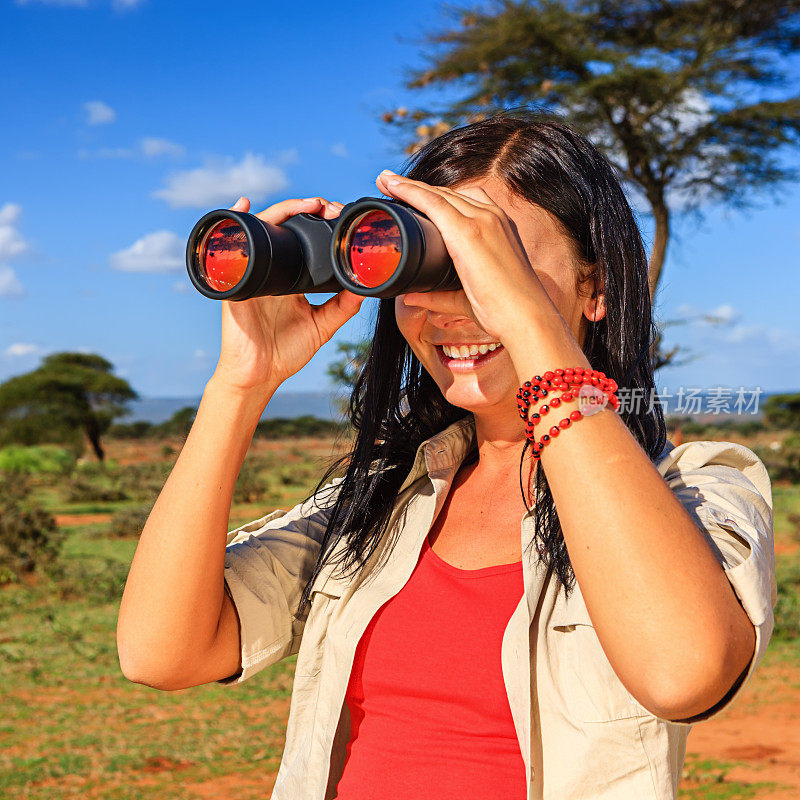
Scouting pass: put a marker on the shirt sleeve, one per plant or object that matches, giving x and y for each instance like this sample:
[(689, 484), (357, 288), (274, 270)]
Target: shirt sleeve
[(726, 489), (267, 563)]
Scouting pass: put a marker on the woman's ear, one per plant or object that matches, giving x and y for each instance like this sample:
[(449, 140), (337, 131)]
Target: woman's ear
[(594, 299)]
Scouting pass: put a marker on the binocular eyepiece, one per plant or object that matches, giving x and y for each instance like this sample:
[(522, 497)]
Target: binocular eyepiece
[(375, 247)]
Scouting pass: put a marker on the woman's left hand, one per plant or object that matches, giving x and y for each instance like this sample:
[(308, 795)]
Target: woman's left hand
[(491, 262)]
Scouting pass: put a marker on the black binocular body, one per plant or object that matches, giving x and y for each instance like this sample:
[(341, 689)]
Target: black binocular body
[(375, 247)]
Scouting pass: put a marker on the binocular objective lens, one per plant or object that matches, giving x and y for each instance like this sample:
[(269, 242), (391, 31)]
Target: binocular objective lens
[(371, 248), (224, 254)]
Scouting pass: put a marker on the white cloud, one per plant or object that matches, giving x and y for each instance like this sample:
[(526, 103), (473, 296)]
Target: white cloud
[(722, 324), (221, 181), (339, 149), (763, 335), (148, 147), (182, 287), (200, 353), (118, 5), (11, 242), (11, 245), (22, 349), (161, 251), (152, 147), (724, 313), (98, 112), (66, 3), (686, 310), (10, 285)]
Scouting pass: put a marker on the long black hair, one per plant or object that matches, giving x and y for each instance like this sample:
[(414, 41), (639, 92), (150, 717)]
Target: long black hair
[(395, 404)]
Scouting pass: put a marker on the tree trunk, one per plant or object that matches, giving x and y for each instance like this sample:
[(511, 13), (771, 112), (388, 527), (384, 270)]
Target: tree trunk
[(93, 432), (661, 216)]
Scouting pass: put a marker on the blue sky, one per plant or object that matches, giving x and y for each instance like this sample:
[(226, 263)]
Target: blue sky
[(133, 118)]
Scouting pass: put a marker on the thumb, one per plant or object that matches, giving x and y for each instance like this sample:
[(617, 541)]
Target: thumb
[(333, 313), (242, 204)]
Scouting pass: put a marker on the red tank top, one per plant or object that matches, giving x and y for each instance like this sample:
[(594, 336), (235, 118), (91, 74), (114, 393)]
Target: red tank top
[(429, 711)]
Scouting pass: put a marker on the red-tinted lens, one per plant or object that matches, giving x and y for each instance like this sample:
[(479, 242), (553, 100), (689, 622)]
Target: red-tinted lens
[(371, 248), (223, 255)]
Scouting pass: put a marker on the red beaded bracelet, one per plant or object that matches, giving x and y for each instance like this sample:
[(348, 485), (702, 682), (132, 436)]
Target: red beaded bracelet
[(571, 381)]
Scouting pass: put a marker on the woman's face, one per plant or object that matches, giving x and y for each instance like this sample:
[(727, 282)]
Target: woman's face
[(430, 319)]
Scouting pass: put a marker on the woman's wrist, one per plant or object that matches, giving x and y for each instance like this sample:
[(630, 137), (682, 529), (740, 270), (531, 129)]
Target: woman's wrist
[(537, 344), (245, 400)]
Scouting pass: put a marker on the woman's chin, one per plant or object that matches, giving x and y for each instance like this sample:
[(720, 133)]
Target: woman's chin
[(472, 398)]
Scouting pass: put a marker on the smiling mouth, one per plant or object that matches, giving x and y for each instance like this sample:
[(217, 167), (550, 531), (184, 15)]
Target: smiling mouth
[(460, 362)]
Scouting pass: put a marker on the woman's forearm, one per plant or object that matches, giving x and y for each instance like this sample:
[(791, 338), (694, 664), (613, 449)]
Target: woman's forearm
[(663, 609), (171, 605)]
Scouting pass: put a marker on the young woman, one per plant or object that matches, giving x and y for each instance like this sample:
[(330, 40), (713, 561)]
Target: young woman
[(455, 639)]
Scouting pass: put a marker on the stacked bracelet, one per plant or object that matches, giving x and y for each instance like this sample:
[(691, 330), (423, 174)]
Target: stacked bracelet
[(570, 381)]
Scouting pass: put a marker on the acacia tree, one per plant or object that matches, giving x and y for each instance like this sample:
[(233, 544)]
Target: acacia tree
[(675, 93), (346, 370), (68, 395)]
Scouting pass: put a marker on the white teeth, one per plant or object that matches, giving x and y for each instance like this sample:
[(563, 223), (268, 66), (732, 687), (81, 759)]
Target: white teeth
[(469, 351)]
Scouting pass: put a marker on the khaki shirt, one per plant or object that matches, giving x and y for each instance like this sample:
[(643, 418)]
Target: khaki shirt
[(581, 733)]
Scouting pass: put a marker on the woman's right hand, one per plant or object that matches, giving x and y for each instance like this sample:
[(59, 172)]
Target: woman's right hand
[(265, 340)]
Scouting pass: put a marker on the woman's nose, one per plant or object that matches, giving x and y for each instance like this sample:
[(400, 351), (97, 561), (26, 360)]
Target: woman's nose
[(443, 307)]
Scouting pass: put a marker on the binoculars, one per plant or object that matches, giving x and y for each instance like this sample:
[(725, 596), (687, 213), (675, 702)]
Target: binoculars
[(375, 247)]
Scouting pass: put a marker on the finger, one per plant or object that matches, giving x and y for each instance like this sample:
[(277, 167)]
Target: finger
[(475, 193), (333, 313), (242, 204), (280, 212), (466, 205), (444, 211), (332, 209)]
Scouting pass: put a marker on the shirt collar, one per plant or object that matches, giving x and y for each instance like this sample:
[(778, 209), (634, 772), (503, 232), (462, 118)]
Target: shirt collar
[(443, 450)]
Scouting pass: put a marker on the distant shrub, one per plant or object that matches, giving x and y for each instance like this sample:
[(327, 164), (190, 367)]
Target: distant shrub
[(129, 521), (141, 429), (97, 579), (782, 463), (142, 482), (782, 411), (79, 490), (37, 459), (307, 425), (295, 475), (14, 486), (251, 485), (29, 539), (748, 427), (787, 611)]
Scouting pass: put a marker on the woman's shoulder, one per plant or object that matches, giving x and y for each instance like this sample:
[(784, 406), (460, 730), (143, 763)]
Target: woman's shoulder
[(721, 459)]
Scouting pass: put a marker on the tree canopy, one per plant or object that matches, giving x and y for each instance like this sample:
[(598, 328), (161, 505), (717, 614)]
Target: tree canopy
[(682, 96), (67, 396)]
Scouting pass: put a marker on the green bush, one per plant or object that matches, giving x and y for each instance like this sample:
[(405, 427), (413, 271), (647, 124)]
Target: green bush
[(142, 482), (251, 487), (307, 425), (295, 475), (97, 579), (29, 539), (129, 521), (79, 490), (782, 464), (787, 610), (36, 460), (14, 487), (141, 429)]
